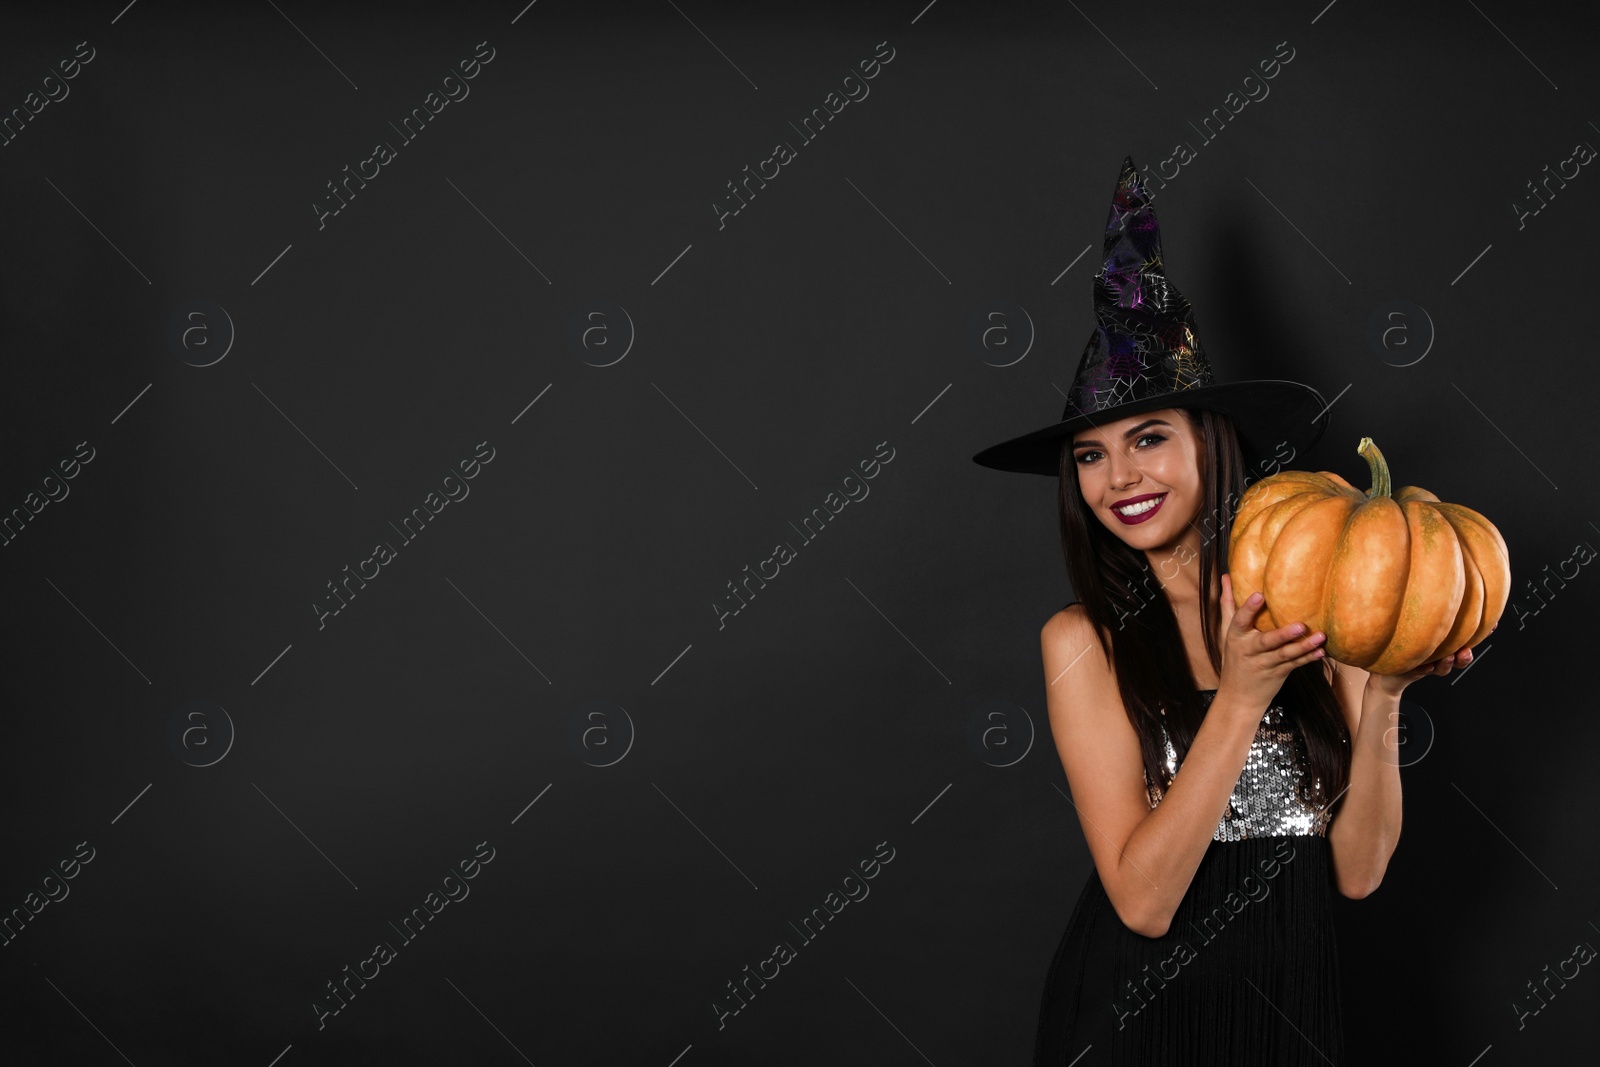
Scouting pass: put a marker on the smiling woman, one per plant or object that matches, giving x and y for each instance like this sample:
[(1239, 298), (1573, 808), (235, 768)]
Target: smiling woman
[(1196, 748)]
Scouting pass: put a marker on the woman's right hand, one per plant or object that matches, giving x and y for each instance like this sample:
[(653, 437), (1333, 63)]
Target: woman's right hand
[(1255, 664)]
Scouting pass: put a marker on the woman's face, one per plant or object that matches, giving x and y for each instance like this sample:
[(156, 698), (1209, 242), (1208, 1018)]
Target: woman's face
[(1152, 458)]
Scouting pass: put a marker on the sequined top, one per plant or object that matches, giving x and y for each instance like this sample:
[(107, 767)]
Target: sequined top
[(1265, 801)]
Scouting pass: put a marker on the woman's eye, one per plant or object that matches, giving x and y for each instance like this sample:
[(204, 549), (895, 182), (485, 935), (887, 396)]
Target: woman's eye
[(1084, 457)]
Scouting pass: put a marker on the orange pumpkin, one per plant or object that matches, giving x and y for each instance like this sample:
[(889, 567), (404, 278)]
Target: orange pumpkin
[(1395, 581)]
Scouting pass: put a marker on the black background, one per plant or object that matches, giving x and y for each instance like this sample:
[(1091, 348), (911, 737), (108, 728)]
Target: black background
[(769, 357)]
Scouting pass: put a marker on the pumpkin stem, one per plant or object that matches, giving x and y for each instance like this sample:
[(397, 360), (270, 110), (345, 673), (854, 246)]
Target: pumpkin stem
[(1380, 469)]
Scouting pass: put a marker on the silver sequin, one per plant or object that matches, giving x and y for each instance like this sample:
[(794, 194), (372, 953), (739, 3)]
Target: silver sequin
[(1265, 801)]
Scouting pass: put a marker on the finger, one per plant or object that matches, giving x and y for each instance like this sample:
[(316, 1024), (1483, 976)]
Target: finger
[(1301, 660), (1244, 617), (1296, 633), (1303, 650)]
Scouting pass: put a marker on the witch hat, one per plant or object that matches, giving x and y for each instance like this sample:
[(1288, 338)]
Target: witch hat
[(1145, 354)]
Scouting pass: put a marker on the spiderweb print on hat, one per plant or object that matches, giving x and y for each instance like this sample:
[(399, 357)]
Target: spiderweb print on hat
[(1145, 341)]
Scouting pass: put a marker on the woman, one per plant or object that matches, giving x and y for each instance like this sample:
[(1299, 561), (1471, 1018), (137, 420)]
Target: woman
[(1203, 935)]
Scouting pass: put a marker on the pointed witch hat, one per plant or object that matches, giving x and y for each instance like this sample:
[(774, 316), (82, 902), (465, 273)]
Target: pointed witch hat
[(1145, 354)]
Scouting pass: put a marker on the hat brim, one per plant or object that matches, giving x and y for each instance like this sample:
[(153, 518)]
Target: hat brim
[(1268, 415)]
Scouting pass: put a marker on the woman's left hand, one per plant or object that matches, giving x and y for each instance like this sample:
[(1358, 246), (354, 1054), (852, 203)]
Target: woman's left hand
[(1395, 684)]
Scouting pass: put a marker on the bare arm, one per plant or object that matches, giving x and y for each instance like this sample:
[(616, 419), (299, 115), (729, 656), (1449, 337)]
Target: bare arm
[(1146, 858), (1364, 833)]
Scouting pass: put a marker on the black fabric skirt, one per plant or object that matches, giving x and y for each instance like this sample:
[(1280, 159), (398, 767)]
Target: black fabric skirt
[(1247, 974)]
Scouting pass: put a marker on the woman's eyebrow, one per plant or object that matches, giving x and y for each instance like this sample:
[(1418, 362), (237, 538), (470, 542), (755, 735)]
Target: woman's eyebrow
[(1126, 434)]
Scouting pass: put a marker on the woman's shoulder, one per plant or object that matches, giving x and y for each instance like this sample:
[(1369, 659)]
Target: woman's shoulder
[(1071, 620), (1070, 611), (1068, 636)]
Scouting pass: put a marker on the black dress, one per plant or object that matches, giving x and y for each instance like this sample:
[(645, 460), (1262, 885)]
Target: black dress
[(1248, 971)]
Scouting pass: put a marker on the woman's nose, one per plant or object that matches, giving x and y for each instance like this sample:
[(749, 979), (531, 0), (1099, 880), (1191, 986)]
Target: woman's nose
[(1123, 471)]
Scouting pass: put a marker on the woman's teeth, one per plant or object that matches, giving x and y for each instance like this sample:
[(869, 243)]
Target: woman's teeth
[(1141, 507)]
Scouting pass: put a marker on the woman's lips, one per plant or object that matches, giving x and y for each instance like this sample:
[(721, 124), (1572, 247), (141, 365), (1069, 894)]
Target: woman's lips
[(1133, 520)]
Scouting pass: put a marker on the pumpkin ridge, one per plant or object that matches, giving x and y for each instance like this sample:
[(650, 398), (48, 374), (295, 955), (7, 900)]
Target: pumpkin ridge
[(1264, 494), (1299, 564), (1484, 543), (1367, 580), (1434, 586)]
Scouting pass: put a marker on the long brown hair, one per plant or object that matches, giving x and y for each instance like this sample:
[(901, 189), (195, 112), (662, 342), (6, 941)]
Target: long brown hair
[(1120, 593)]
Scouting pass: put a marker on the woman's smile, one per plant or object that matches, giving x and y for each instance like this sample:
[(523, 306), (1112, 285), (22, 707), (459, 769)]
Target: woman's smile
[(1142, 508)]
